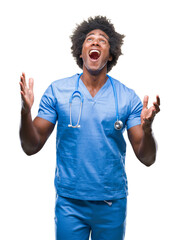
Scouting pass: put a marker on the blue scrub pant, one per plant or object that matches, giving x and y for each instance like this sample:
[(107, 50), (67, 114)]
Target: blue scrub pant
[(75, 219)]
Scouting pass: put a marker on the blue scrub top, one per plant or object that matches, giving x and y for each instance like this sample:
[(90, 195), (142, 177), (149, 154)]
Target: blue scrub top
[(90, 159)]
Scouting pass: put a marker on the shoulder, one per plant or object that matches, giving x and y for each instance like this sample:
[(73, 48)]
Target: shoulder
[(65, 82), (62, 88), (122, 88), (62, 85)]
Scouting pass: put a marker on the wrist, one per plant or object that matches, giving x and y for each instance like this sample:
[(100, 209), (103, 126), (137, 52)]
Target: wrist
[(147, 130), (25, 113)]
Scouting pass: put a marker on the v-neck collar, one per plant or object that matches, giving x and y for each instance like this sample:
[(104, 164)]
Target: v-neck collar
[(98, 94)]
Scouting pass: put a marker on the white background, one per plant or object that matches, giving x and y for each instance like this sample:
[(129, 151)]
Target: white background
[(35, 39)]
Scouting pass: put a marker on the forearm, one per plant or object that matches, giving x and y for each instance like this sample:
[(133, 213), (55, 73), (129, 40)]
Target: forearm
[(147, 149), (29, 136)]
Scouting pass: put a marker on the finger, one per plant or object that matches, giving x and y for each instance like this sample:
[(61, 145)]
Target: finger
[(31, 84), (21, 86), (22, 95), (154, 112), (23, 74), (157, 108), (151, 118), (158, 100), (145, 101), (157, 104), (23, 80)]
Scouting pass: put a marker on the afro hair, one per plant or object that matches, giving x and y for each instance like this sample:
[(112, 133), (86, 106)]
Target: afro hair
[(104, 24)]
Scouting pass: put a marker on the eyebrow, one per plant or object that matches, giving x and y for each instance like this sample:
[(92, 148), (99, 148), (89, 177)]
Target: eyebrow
[(99, 34)]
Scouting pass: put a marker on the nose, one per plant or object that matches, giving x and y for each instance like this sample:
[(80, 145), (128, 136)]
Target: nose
[(95, 42)]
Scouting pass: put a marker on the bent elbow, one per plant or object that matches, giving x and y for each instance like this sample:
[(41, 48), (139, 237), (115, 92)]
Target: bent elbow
[(148, 161), (29, 151), (148, 164)]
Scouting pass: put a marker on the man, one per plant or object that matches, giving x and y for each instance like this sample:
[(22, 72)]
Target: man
[(90, 177)]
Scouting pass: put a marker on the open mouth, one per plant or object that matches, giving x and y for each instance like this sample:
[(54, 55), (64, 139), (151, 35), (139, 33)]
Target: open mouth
[(94, 54)]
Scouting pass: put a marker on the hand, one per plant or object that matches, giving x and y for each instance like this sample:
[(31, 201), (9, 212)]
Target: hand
[(27, 94), (148, 115)]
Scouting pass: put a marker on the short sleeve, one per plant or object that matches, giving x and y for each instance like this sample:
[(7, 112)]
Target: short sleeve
[(47, 107), (135, 111)]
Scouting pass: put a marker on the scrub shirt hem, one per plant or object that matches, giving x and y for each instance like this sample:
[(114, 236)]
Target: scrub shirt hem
[(133, 124), (47, 118), (94, 198)]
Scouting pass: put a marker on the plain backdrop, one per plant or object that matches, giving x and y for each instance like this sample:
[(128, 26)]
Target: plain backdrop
[(35, 39)]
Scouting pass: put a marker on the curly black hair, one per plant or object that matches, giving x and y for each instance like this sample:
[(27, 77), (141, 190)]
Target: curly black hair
[(104, 24)]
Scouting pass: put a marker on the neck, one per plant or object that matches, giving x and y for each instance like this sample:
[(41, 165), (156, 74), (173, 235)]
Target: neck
[(94, 82)]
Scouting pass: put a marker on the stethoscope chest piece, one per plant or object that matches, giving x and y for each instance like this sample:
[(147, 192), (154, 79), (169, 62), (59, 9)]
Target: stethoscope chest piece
[(118, 125)]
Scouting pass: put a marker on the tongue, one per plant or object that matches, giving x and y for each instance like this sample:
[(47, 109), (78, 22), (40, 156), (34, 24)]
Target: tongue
[(94, 55)]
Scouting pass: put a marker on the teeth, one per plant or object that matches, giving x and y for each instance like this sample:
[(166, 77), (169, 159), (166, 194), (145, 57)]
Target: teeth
[(94, 51)]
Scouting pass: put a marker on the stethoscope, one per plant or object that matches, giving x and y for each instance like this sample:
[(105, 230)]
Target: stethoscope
[(118, 125)]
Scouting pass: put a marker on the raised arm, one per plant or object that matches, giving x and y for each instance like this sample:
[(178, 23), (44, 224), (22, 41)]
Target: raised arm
[(33, 134), (141, 136)]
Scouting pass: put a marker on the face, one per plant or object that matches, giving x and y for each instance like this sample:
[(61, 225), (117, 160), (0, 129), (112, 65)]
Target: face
[(95, 51)]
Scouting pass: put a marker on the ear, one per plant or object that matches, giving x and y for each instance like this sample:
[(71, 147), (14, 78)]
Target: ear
[(110, 58)]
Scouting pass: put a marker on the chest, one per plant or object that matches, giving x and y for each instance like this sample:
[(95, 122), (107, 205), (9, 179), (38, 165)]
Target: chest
[(95, 113)]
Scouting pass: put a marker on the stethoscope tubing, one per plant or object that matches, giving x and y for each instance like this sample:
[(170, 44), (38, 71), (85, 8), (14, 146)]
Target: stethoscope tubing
[(115, 97), (118, 125)]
